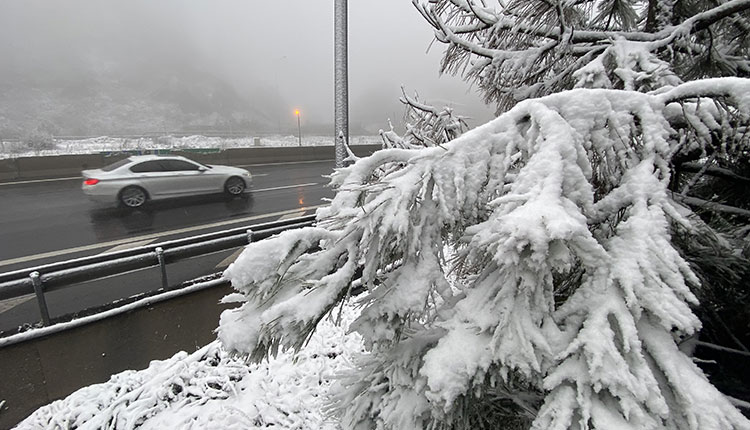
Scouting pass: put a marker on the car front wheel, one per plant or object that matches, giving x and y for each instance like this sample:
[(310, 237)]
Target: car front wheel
[(234, 186), (133, 197)]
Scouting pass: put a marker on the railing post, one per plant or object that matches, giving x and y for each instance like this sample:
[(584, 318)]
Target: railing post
[(66, 273), (40, 300), (162, 265)]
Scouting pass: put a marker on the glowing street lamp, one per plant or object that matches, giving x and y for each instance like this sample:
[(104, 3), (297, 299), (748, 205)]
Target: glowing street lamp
[(299, 128)]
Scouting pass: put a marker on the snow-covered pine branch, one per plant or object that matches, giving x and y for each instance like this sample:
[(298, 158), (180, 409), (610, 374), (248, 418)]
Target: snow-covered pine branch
[(426, 125), (564, 302), (521, 49)]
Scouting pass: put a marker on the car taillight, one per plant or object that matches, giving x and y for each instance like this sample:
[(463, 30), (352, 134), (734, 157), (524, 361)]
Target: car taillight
[(91, 181)]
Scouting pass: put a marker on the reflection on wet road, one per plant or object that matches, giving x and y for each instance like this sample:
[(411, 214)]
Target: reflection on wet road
[(43, 217), (114, 222), (42, 222)]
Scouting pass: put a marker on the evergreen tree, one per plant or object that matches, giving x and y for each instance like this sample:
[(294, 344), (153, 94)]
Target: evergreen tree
[(525, 274)]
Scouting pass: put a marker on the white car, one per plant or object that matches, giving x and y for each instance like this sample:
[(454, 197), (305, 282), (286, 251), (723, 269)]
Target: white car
[(138, 179)]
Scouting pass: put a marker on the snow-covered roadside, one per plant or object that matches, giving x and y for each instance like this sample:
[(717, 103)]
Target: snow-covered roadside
[(211, 389), (114, 144)]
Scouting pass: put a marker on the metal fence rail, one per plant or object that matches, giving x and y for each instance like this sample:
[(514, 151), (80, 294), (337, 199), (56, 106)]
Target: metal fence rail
[(55, 276)]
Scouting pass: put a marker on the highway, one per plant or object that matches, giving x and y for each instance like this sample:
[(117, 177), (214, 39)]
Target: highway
[(44, 221)]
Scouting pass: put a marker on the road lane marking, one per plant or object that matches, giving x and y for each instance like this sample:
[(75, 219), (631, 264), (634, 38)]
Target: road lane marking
[(328, 160), (151, 236), (129, 245), (285, 187), (34, 181), (9, 304), (292, 215), (229, 260)]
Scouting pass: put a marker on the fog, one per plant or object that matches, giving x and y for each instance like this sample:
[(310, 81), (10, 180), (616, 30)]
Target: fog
[(262, 58)]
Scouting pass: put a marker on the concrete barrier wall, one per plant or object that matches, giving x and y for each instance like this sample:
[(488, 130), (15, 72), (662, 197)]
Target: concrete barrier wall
[(8, 169), (56, 166), (36, 372), (61, 166)]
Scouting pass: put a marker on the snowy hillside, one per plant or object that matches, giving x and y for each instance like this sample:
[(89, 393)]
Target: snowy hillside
[(114, 144)]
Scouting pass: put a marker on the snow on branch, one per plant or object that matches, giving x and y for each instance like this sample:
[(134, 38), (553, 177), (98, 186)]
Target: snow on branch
[(129, 399), (518, 49), (527, 259), (425, 125)]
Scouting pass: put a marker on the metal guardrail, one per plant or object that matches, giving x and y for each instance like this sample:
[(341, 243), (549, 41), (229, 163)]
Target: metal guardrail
[(41, 279)]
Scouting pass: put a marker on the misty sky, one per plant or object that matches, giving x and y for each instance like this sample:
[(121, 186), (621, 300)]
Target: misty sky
[(262, 48)]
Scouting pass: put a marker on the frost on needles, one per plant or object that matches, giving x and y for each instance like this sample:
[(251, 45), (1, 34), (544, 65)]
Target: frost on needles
[(524, 274), (521, 274)]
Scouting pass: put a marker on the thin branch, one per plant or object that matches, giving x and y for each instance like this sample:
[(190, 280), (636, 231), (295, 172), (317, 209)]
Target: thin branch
[(694, 180), (727, 330), (712, 206), (703, 20), (416, 104), (694, 24), (483, 16), (465, 44), (738, 403), (722, 348), (712, 88), (718, 172)]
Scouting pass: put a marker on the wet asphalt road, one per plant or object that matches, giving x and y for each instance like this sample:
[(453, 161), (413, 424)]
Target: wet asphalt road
[(43, 222)]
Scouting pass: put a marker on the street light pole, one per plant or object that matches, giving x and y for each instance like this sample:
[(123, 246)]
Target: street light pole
[(341, 81), (299, 127)]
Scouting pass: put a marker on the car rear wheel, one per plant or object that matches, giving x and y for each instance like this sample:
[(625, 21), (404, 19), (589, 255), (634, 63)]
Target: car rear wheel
[(234, 186), (133, 197)]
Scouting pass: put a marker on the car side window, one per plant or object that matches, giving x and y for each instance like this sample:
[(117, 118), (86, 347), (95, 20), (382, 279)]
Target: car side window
[(179, 165), (115, 165), (148, 166)]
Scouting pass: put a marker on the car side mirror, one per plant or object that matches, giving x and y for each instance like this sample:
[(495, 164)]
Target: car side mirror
[(202, 169)]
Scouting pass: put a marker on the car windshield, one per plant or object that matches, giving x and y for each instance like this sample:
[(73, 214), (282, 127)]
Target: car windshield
[(113, 166)]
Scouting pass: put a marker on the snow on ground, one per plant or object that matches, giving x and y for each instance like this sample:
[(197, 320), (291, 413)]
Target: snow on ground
[(114, 144), (211, 389)]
